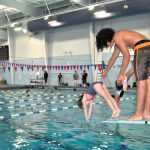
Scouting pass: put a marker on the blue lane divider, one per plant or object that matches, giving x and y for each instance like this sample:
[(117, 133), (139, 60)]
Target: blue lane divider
[(33, 104), (36, 104), (36, 98), (40, 111)]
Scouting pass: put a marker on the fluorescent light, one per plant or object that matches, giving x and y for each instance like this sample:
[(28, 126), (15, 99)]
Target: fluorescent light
[(52, 21), (11, 9), (91, 7), (12, 25), (46, 17), (102, 14), (17, 29), (24, 30), (2, 7), (55, 23)]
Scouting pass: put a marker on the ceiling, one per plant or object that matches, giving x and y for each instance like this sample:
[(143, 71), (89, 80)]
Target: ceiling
[(69, 12)]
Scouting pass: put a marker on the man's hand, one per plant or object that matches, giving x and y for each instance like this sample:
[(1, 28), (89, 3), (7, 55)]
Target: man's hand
[(104, 75), (119, 79)]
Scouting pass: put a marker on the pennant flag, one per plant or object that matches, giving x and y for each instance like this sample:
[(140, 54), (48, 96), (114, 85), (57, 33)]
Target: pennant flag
[(4, 68), (88, 67), (95, 65), (15, 68), (55, 67), (21, 68), (42, 67), (71, 67), (74, 67), (9, 69), (68, 67), (81, 67), (50, 67), (32, 67), (77, 67), (84, 67), (58, 67), (99, 66), (62, 67), (28, 67), (65, 67)]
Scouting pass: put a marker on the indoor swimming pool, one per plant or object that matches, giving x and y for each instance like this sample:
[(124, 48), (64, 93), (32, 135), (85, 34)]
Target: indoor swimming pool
[(43, 119)]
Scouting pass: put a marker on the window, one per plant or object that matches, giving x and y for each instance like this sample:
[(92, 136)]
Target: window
[(4, 52)]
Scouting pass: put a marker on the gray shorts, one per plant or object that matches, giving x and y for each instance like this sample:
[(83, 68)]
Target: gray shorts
[(142, 63)]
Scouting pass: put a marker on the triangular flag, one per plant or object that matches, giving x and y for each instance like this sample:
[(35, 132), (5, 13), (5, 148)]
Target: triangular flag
[(21, 68), (99, 66), (74, 67), (68, 67), (88, 67), (81, 67), (58, 67), (65, 67), (95, 65), (9, 69), (62, 67)]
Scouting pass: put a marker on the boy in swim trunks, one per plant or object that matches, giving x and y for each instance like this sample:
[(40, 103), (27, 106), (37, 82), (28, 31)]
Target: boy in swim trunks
[(86, 99), (122, 40)]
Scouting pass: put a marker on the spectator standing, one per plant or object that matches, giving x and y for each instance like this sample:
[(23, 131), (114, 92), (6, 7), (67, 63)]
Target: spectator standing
[(103, 66), (45, 76), (84, 78), (75, 78), (60, 77)]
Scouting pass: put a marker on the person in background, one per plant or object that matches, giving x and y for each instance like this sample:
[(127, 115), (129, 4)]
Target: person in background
[(60, 77), (75, 78), (37, 74), (122, 40), (84, 78), (86, 99), (102, 66), (45, 76)]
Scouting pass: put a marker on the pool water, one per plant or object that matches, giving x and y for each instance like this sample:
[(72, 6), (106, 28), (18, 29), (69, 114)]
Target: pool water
[(41, 119)]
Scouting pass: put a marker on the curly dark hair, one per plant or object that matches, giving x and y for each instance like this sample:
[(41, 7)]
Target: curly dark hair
[(80, 104), (103, 36)]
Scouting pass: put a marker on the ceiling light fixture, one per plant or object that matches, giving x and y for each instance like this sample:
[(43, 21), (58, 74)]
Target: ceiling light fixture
[(2, 7), (46, 17), (55, 23), (125, 5), (17, 29), (91, 7), (102, 14), (24, 28)]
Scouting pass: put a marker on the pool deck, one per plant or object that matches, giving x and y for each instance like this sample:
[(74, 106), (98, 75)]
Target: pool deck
[(7, 86), (53, 87)]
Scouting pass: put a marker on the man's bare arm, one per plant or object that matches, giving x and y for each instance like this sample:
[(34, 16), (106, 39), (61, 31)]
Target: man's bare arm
[(126, 58), (112, 59)]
